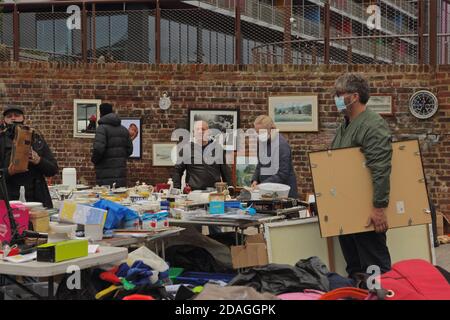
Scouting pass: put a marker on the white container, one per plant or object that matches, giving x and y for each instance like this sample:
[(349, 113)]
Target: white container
[(69, 177), (94, 232), (274, 190)]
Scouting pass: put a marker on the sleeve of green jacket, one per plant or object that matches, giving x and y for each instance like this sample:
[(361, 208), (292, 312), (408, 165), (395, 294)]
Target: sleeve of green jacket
[(377, 150)]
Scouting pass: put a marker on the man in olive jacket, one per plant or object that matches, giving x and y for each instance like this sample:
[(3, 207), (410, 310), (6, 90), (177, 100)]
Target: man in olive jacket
[(41, 163), (111, 149), (366, 129)]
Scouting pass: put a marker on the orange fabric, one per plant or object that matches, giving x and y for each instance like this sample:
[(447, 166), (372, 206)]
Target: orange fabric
[(343, 293)]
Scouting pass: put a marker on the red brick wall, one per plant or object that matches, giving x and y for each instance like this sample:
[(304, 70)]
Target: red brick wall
[(48, 92)]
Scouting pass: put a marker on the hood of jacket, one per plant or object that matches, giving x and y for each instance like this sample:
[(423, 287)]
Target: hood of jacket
[(112, 119)]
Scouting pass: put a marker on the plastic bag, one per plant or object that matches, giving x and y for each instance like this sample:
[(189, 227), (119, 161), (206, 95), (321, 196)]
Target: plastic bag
[(151, 259), (117, 214)]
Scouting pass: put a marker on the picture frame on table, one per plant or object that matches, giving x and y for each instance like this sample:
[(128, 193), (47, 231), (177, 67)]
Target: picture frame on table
[(295, 113), (225, 120), (134, 127), (86, 113), (164, 154), (383, 104), (245, 168)]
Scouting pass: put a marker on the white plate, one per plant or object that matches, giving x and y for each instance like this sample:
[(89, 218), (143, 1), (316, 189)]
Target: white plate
[(119, 190), (33, 204)]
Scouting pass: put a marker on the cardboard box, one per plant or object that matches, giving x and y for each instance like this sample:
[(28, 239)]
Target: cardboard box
[(252, 254), (62, 251)]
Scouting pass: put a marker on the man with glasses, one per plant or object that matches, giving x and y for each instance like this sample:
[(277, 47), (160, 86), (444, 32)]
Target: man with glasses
[(366, 129)]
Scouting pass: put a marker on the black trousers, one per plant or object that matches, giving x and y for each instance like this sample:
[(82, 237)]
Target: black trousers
[(362, 250)]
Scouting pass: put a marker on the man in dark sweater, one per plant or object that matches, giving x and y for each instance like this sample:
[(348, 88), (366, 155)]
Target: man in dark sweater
[(200, 174), (111, 149), (279, 169)]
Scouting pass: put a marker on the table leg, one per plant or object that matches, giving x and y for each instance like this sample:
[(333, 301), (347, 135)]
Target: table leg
[(163, 250), (2, 285), (51, 288), (236, 232), (156, 248)]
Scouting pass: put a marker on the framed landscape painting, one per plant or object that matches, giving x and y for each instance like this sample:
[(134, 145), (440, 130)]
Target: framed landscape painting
[(295, 113)]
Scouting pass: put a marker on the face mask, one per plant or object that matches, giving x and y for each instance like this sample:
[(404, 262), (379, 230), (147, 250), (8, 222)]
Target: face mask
[(263, 137), (340, 103)]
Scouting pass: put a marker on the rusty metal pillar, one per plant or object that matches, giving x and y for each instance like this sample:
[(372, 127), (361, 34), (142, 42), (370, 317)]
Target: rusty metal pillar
[(314, 54), (94, 39), (349, 52), (238, 33), (287, 32), (84, 33), (327, 22), (420, 29), (16, 33), (158, 34), (433, 32)]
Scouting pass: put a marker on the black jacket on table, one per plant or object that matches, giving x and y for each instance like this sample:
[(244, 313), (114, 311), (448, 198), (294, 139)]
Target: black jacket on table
[(111, 149), (201, 175), (36, 189)]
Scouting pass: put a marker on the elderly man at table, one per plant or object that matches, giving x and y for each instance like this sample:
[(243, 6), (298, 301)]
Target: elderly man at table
[(200, 174), (278, 150)]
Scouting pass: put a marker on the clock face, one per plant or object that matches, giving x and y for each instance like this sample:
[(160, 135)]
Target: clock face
[(164, 103), (423, 104)]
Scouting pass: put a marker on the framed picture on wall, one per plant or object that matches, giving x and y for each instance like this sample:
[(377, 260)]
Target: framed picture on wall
[(382, 104), (223, 120), (164, 154), (86, 114), (295, 113), (134, 127)]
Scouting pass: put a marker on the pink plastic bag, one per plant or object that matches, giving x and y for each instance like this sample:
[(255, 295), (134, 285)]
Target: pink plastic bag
[(21, 215), (308, 294)]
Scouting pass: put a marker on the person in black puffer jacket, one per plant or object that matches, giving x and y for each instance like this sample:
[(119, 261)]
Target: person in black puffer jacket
[(111, 149)]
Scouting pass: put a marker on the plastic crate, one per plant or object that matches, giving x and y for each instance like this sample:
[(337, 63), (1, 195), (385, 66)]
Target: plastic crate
[(200, 278)]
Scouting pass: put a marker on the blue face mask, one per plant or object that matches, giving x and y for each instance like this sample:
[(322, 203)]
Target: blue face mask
[(340, 103)]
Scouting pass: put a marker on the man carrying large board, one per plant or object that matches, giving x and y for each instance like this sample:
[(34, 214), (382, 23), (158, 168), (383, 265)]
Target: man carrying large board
[(366, 129)]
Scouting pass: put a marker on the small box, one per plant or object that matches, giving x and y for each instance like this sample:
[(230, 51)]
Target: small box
[(253, 253), (155, 221), (62, 251), (217, 207), (40, 221)]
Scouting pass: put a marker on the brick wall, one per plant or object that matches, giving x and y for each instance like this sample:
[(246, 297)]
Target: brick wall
[(48, 90)]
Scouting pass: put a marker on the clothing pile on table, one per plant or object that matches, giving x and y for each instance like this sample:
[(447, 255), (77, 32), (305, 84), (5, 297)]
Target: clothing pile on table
[(309, 279)]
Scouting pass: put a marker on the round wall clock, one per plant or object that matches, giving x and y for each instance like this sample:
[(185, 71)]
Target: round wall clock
[(164, 102), (423, 104)]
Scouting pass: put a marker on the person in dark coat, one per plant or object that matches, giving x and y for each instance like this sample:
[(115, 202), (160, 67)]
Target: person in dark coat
[(42, 163), (111, 149), (281, 160)]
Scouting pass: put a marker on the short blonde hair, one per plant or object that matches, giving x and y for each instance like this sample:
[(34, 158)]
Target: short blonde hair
[(265, 121)]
